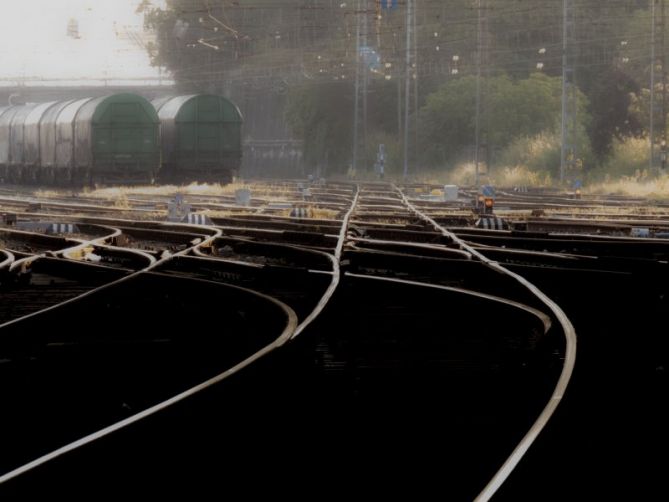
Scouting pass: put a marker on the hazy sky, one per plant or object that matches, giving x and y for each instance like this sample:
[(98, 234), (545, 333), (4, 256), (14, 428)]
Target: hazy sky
[(34, 41)]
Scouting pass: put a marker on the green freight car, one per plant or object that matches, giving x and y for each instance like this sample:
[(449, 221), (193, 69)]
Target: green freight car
[(110, 140), (116, 140), (200, 137)]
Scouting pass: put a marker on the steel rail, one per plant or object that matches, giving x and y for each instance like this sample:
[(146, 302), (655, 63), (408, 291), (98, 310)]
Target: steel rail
[(543, 318), (567, 369), (8, 260), (291, 330), (336, 269), (416, 245), (288, 330), (119, 425), (153, 263)]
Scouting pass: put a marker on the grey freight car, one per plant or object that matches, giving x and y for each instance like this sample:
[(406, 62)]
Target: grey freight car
[(112, 139)]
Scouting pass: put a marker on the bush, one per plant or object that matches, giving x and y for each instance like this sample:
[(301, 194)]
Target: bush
[(520, 175), (515, 109), (629, 157), (539, 153)]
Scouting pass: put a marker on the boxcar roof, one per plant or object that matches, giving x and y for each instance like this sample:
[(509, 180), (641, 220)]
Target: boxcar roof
[(178, 107)]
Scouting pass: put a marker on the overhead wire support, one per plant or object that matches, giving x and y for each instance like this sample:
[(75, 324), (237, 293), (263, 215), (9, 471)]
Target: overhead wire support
[(361, 85), (663, 59), (415, 82), (651, 135), (479, 64), (407, 85), (658, 61), (356, 104), (569, 123), (365, 80)]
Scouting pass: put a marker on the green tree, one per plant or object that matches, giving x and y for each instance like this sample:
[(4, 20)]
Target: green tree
[(513, 109), (321, 116), (611, 47), (307, 45)]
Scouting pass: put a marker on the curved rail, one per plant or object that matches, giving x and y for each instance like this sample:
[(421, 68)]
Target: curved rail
[(153, 263), (381, 243), (8, 259), (284, 336), (567, 369), (336, 269), (99, 241), (543, 318), (293, 329)]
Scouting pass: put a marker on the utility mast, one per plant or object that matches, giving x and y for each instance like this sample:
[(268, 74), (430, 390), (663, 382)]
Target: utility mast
[(415, 81), (653, 62), (361, 86), (407, 85), (356, 104), (569, 89), (663, 62), (480, 37), (658, 61), (365, 79)]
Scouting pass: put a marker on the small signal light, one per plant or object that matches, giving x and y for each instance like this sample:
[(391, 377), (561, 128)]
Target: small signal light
[(488, 204)]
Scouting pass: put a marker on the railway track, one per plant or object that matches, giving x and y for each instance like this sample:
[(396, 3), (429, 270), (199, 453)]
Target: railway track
[(391, 329)]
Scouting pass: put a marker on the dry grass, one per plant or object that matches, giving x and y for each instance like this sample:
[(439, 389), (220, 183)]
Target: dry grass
[(629, 158), (47, 194), (321, 213), (193, 188), (656, 189), (519, 176), (122, 202), (222, 213), (461, 175), (465, 175), (270, 191)]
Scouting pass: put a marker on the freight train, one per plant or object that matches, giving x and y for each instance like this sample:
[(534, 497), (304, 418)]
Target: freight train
[(121, 139), (200, 138)]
